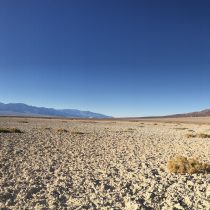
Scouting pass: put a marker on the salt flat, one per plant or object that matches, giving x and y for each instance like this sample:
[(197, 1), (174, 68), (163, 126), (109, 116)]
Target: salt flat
[(100, 164)]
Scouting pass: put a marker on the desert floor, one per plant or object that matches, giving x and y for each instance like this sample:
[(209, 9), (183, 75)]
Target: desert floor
[(100, 165)]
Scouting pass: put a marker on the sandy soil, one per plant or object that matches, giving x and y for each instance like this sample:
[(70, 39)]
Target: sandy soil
[(195, 120), (100, 165)]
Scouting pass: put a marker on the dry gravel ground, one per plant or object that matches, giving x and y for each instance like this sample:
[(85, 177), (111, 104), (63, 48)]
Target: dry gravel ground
[(100, 165)]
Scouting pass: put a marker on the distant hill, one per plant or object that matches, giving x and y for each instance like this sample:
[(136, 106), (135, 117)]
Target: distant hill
[(20, 109), (203, 113)]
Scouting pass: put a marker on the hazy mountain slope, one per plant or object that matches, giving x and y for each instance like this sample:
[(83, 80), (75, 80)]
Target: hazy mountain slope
[(203, 113), (24, 109)]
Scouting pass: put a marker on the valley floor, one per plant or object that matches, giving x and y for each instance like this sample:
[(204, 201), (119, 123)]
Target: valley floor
[(100, 165)]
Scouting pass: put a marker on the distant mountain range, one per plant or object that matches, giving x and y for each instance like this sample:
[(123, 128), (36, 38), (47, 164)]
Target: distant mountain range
[(203, 113), (20, 109)]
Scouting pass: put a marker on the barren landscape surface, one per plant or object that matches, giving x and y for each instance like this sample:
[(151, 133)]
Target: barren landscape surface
[(191, 120), (87, 164)]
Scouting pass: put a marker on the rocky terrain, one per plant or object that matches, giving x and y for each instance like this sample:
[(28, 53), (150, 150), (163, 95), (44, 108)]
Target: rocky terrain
[(75, 164)]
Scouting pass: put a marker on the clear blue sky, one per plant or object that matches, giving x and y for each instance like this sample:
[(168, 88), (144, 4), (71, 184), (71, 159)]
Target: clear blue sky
[(121, 58)]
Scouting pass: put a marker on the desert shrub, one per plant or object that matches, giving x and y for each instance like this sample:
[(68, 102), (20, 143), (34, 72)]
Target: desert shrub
[(23, 121), (91, 121), (61, 130), (77, 132), (131, 129), (203, 135), (10, 130), (128, 130), (190, 135), (199, 135), (183, 165), (155, 124), (181, 128)]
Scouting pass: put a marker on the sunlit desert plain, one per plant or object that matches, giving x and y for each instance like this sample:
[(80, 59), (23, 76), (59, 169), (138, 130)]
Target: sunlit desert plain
[(102, 164)]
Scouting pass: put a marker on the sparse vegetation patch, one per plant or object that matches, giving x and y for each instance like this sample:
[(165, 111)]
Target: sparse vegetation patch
[(10, 130), (199, 135), (77, 132), (203, 135), (61, 130), (181, 128), (128, 130), (184, 165), (131, 129), (23, 121), (89, 121), (190, 135)]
